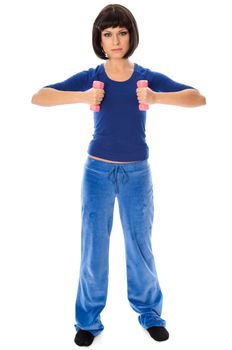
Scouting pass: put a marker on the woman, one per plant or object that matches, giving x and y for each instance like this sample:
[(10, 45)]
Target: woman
[(117, 166)]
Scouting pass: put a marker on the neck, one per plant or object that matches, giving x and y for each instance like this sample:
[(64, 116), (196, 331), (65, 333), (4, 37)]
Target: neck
[(118, 65)]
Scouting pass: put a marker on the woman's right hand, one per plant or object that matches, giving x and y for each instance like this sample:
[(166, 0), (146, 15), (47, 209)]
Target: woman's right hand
[(93, 96)]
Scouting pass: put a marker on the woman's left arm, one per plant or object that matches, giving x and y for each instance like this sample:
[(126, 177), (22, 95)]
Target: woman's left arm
[(183, 98)]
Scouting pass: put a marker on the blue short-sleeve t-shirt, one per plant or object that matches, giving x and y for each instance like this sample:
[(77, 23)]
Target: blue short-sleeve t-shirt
[(119, 126)]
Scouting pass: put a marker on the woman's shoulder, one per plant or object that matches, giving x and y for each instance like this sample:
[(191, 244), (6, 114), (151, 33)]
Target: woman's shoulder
[(147, 72), (150, 74), (139, 68), (93, 72), (90, 71)]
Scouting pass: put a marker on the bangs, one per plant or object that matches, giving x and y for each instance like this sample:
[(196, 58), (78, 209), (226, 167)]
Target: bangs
[(114, 19)]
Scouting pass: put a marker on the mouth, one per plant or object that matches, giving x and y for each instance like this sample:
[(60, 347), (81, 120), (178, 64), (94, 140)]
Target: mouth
[(116, 50)]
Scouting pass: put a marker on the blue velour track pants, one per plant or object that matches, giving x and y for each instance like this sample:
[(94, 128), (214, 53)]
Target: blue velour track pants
[(132, 184)]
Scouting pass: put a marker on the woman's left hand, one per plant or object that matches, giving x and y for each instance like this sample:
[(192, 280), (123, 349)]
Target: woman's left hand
[(145, 95)]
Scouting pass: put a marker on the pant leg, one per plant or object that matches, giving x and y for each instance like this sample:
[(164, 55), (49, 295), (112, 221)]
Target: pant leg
[(136, 212), (97, 216)]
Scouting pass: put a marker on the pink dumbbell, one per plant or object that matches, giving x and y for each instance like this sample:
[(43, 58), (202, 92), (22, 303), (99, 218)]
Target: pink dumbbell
[(97, 85), (142, 83)]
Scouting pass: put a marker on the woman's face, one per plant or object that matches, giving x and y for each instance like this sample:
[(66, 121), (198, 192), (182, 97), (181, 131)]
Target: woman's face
[(115, 41)]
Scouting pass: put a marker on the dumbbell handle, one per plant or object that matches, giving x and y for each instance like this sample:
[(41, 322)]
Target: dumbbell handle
[(97, 85), (143, 83)]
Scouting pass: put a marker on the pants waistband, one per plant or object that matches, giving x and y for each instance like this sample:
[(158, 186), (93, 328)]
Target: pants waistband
[(106, 166)]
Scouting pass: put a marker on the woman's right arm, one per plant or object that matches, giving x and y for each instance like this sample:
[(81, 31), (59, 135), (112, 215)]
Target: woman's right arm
[(52, 97)]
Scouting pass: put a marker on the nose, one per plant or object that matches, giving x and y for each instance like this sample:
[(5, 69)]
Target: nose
[(115, 39)]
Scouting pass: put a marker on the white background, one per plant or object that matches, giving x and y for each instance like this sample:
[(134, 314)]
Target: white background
[(43, 151)]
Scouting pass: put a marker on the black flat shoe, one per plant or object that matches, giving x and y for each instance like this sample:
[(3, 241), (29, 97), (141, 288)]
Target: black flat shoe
[(84, 338), (158, 333)]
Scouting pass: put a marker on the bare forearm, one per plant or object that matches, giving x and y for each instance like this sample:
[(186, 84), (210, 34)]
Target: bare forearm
[(184, 98), (51, 97)]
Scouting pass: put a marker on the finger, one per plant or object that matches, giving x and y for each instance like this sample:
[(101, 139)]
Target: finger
[(100, 94)]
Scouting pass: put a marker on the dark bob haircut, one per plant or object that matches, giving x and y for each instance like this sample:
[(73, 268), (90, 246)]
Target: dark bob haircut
[(114, 16)]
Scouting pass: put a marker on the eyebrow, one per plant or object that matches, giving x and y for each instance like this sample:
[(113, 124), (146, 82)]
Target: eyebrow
[(109, 31)]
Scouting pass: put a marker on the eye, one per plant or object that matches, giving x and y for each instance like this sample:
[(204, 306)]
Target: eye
[(107, 35), (123, 33)]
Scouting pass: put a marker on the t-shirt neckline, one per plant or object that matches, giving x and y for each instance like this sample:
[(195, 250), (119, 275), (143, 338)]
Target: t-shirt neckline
[(116, 81)]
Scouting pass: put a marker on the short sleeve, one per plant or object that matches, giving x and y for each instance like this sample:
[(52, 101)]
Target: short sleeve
[(161, 83), (77, 82)]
